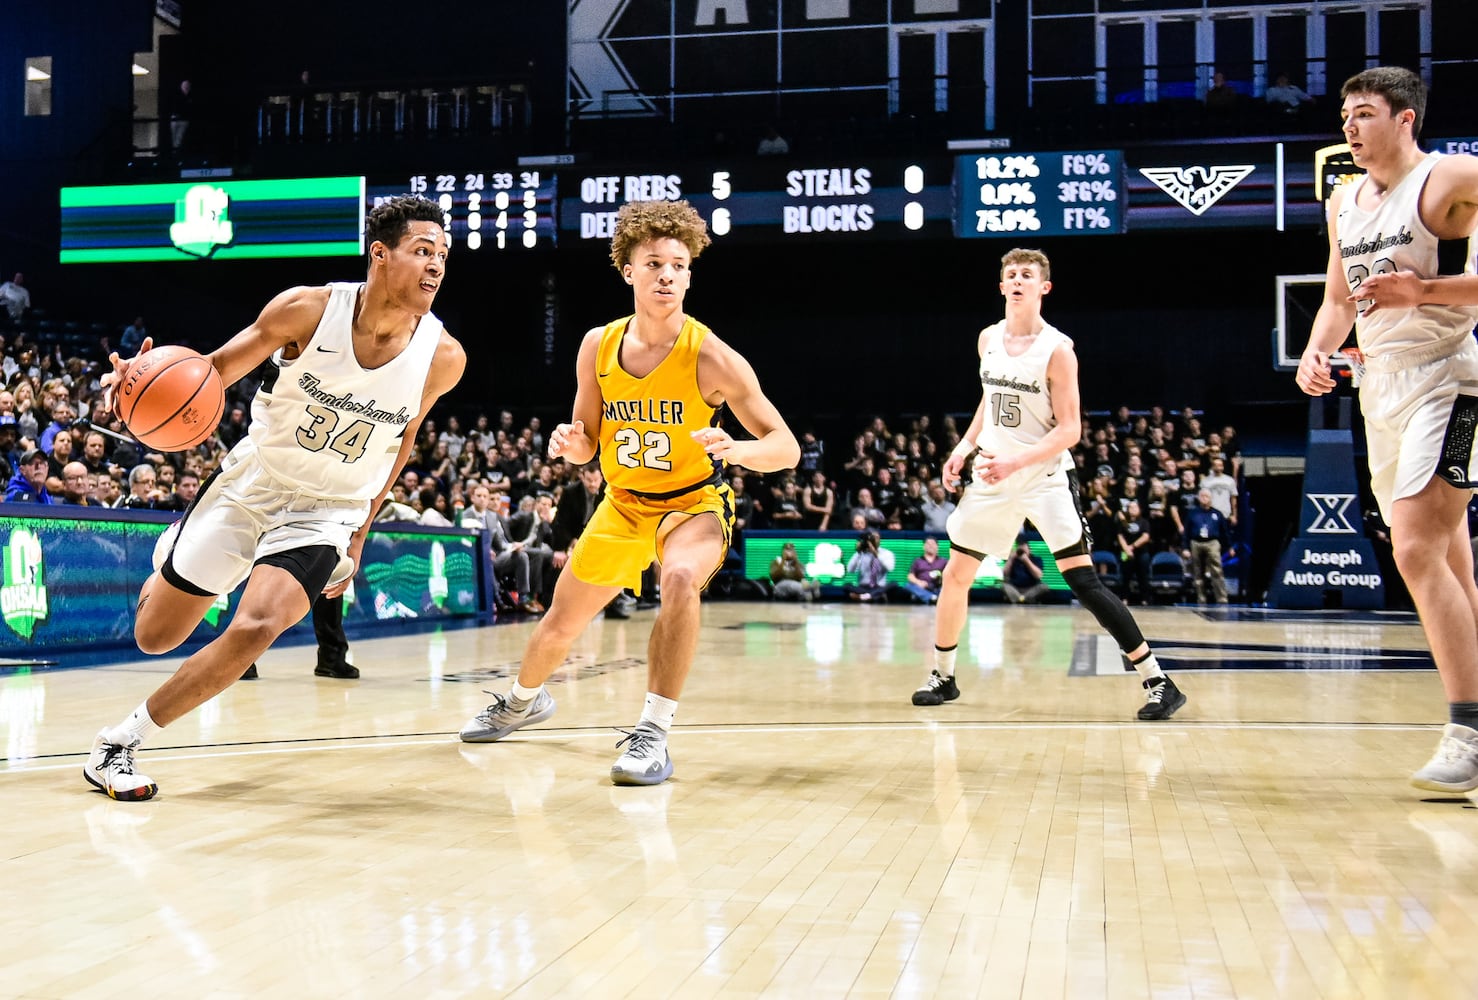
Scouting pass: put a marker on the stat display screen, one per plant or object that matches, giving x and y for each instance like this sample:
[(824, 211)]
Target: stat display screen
[(789, 200), (1044, 194), (484, 210)]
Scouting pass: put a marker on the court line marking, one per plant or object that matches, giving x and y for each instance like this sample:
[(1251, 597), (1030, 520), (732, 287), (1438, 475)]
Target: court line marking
[(66, 761)]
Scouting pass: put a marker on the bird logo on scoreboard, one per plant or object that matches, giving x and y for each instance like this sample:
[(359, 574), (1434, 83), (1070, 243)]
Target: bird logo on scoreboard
[(1197, 188)]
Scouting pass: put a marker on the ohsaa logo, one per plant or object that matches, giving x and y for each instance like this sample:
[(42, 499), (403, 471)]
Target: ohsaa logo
[(1197, 188), (23, 586)]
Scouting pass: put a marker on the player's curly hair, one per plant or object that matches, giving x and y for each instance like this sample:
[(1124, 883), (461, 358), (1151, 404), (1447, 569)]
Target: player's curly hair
[(1400, 87), (639, 222), (1036, 257), (389, 221)]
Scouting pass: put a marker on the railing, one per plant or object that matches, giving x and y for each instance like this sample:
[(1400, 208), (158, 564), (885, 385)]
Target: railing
[(352, 114)]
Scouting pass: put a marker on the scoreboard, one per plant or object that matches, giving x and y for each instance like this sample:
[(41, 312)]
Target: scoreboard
[(771, 200), (1002, 194), (483, 209), (1046, 194)]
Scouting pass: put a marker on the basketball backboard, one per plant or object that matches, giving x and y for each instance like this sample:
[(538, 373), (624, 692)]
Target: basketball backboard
[(1296, 302)]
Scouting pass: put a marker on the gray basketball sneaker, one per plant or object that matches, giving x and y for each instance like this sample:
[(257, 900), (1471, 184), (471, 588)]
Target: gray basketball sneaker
[(1454, 767), (646, 761), (498, 720)]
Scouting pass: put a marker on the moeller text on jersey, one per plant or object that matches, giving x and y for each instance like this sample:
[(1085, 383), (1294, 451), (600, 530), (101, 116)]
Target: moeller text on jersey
[(649, 411)]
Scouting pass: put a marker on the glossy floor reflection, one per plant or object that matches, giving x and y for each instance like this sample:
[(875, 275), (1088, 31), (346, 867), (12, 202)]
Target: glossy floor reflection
[(821, 837)]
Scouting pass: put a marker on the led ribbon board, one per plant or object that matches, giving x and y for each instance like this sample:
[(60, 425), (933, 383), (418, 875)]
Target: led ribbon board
[(213, 219)]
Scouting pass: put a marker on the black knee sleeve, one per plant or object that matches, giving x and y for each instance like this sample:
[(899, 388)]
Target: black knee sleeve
[(1103, 605)]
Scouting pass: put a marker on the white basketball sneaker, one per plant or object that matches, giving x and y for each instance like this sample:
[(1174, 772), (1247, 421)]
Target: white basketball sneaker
[(646, 761), (109, 768), (1454, 767)]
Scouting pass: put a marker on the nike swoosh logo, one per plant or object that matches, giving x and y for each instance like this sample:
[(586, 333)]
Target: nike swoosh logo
[(601, 374), (325, 350)]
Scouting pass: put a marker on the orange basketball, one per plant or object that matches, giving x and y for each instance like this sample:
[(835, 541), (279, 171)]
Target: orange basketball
[(171, 398)]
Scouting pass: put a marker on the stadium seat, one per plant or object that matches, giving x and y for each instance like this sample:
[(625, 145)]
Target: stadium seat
[(1167, 576), (1106, 565)]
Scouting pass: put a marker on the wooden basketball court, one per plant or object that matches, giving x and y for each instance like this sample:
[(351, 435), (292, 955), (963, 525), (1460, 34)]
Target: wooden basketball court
[(821, 837)]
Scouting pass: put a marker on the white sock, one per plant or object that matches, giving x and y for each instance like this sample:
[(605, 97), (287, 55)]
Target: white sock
[(944, 660), (135, 729), (521, 696), (1149, 668), (658, 711)]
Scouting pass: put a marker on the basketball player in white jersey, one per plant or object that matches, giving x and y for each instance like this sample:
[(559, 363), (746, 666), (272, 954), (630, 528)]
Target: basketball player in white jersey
[(1399, 247), (1027, 420), (354, 369)]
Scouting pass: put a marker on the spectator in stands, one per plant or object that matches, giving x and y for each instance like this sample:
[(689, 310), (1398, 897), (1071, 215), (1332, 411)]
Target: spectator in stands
[(510, 560), (818, 502), (28, 484), (143, 488), (1206, 531), (433, 506), (788, 577), (10, 449), (937, 509), (95, 453), (107, 492), (441, 467), (62, 415), (1169, 474), (233, 428), (25, 408), (885, 494), (133, 336), (772, 144), (182, 109), (1185, 494), (1221, 97), (1103, 524), (873, 517), (531, 527), (786, 513), (15, 296), (813, 454), (1134, 548), (1285, 97), (1130, 491), (187, 489), (1163, 516), (1021, 577), (910, 512), (1223, 490), (744, 506), (74, 486), (859, 474), (57, 458), (1191, 455), (926, 574), (1231, 450)]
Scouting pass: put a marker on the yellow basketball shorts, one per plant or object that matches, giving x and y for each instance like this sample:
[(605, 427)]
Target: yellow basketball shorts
[(627, 532)]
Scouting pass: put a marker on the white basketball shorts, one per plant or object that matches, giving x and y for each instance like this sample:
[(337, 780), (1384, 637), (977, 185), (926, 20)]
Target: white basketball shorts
[(1420, 414), (988, 518), (243, 514)]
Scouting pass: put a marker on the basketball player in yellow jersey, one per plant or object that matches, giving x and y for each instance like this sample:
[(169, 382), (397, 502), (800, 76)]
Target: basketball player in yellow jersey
[(649, 390)]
